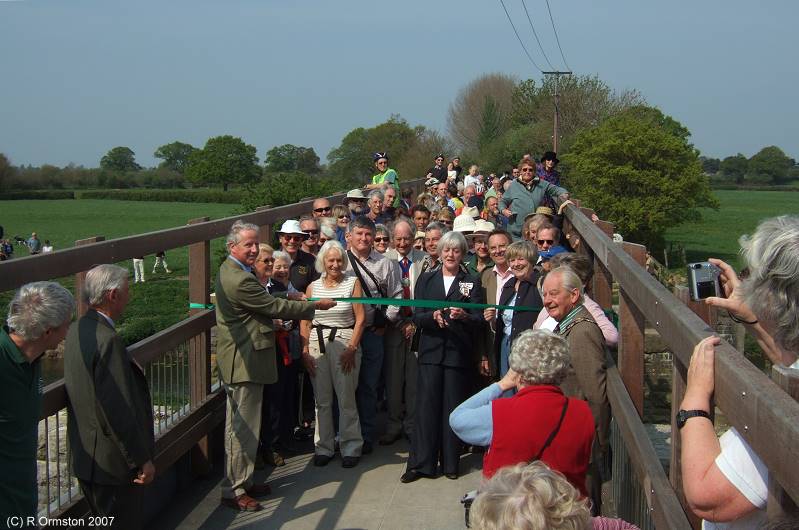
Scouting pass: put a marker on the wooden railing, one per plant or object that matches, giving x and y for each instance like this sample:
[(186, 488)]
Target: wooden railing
[(766, 415)]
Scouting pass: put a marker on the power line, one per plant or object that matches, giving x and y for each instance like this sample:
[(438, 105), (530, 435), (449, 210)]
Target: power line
[(520, 39), (556, 36), (536, 36)]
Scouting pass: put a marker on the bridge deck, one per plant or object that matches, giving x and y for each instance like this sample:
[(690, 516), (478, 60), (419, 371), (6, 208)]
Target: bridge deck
[(369, 496)]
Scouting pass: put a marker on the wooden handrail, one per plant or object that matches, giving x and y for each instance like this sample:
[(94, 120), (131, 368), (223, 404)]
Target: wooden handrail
[(764, 414)]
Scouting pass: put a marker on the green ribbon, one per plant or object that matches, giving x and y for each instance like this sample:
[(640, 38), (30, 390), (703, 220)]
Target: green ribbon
[(194, 305), (430, 304)]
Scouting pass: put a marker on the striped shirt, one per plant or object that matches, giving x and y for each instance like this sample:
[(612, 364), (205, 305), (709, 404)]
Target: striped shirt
[(340, 316)]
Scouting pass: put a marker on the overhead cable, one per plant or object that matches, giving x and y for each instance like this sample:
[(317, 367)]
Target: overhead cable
[(535, 34), (556, 36), (520, 39)]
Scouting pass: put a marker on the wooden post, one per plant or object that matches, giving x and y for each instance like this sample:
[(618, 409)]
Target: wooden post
[(631, 337), (679, 378), (200, 346), (779, 503), (265, 235), (603, 281), (80, 278)]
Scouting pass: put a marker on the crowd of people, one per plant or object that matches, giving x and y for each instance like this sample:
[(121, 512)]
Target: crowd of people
[(415, 304), (33, 245)]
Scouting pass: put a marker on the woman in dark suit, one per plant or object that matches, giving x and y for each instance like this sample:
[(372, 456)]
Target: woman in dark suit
[(518, 291), (446, 360)]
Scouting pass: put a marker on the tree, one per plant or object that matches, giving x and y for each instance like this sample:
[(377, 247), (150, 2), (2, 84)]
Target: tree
[(734, 167), (490, 123), (637, 171), (284, 187), (7, 172), (770, 164), (120, 159), (467, 114), (175, 156), (710, 165), (223, 161), (289, 157)]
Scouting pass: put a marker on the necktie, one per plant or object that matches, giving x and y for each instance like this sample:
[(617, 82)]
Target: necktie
[(405, 265)]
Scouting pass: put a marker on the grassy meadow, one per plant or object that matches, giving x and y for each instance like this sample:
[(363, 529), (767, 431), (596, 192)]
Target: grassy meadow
[(159, 302), (717, 234)]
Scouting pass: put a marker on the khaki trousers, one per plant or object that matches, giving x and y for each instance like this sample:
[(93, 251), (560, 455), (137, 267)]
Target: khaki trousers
[(399, 364), (242, 430), (329, 379)]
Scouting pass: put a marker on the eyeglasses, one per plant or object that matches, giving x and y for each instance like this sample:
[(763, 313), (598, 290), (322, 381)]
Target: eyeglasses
[(382, 240), (324, 209), (527, 170), (293, 237), (344, 218), (267, 260), (547, 241)]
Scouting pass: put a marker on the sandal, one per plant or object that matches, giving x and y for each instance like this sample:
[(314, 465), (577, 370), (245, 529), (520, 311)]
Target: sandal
[(243, 503)]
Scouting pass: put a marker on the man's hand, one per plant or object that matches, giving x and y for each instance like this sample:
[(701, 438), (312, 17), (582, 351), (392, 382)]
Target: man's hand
[(324, 303), (700, 375), (510, 380), (309, 363), (408, 330), (485, 369), (297, 297), (146, 474), (732, 290), (490, 314)]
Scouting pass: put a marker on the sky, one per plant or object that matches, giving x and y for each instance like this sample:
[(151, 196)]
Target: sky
[(78, 77)]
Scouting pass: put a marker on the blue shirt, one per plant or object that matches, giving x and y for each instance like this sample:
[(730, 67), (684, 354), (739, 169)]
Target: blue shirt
[(240, 264), (472, 420)]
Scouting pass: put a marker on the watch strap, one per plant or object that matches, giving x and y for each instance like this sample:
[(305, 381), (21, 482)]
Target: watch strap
[(685, 415)]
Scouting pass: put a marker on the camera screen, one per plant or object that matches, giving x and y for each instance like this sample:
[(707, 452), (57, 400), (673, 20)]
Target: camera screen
[(705, 289)]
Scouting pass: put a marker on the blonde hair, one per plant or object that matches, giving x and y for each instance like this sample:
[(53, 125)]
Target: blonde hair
[(529, 497)]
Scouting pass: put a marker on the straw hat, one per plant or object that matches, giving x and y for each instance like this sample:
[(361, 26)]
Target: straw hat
[(464, 223)]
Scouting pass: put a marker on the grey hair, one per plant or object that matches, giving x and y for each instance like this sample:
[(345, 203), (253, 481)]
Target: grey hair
[(361, 222), (569, 280), (453, 240), (383, 229), (522, 249), (772, 288), (327, 231), (435, 225), (102, 279), (238, 227), (540, 357), (281, 255), (37, 307), (376, 193), (326, 248), (531, 496)]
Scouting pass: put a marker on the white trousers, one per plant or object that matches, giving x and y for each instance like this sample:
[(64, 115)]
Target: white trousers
[(138, 270)]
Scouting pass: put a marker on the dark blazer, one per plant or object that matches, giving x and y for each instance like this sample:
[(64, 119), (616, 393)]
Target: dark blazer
[(110, 421), (528, 296), (456, 344)]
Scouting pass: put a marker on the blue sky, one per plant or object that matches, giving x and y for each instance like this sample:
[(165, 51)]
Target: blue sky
[(79, 77)]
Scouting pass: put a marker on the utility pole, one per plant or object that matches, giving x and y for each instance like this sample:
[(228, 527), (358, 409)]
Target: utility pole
[(556, 95)]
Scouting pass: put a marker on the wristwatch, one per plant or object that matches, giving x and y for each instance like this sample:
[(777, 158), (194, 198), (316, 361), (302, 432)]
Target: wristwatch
[(684, 415)]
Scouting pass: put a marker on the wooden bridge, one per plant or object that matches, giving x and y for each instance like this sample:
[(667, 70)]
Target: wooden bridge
[(191, 411)]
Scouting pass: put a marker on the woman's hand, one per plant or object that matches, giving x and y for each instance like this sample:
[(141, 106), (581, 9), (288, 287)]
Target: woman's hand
[(485, 369), (438, 316), (510, 380), (700, 375), (457, 313), (489, 314), (309, 363), (408, 330), (347, 359), (732, 290)]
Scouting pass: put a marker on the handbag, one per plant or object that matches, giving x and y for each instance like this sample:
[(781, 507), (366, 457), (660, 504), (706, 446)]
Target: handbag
[(380, 320), (469, 497)]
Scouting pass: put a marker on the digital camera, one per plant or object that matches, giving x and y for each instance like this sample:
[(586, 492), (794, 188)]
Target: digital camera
[(703, 280)]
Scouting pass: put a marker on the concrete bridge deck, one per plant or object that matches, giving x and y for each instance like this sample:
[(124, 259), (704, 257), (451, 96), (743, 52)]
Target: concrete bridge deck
[(369, 496)]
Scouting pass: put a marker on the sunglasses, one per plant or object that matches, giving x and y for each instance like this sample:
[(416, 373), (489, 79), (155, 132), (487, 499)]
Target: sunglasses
[(344, 218), (382, 240), (293, 237), (527, 170), (547, 241), (320, 210), (311, 232)]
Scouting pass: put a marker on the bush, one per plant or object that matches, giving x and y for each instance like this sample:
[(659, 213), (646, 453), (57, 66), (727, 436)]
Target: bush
[(203, 195), (37, 195)]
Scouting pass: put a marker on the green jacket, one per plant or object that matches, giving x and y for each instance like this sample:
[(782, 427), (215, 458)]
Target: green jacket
[(245, 338), (110, 421), (522, 201), (390, 176)]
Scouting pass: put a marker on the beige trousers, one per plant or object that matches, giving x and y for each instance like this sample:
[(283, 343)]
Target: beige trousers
[(329, 379), (242, 429)]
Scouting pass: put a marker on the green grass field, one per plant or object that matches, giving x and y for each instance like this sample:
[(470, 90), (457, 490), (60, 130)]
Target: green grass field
[(159, 302), (717, 234)]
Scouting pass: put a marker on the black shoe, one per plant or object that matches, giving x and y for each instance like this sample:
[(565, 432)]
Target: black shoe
[(367, 448), (321, 460), (451, 476), (349, 461), (411, 476), (388, 439)]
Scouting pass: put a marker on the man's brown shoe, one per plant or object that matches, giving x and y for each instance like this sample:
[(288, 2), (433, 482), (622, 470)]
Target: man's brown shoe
[(243, 503), (259, 490)]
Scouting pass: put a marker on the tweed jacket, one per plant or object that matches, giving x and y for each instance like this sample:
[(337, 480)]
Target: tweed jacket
[(110, 415), (587, 377), (245, 337)]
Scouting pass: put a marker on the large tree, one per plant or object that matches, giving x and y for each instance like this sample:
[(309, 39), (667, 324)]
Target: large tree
[(7, 171), (175, 156), (482, 105), (734, 167), (710, 165), (770, 164), (120, 159), (224, 160), (289, 157), (636, 170)]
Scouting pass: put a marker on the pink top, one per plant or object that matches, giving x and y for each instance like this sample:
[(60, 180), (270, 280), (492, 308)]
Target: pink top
[(608, 329), (603, 523)]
